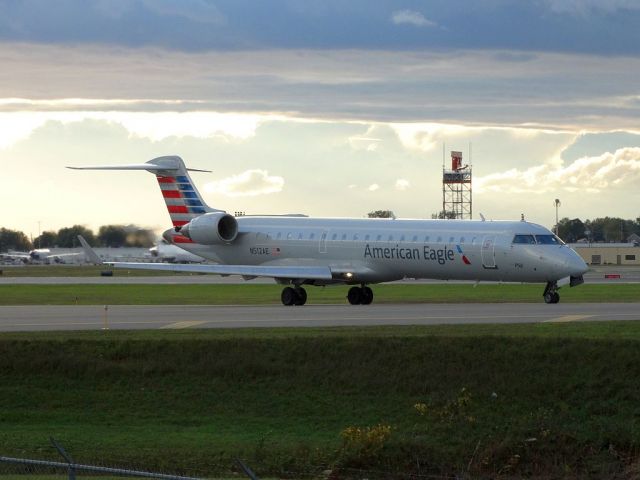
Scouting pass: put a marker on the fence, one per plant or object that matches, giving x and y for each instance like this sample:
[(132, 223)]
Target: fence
[(27, 468)]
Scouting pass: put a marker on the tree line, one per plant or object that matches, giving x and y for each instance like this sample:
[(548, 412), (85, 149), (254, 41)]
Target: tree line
[(607, 229), (67, 237)]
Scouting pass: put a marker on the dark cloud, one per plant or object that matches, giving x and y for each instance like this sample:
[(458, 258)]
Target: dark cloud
[(586, 26)]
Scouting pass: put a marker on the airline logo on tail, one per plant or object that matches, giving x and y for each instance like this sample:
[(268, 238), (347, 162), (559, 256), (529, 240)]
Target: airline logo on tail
[(181, 199)]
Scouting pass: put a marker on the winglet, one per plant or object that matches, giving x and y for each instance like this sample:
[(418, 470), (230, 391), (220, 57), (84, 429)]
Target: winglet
[(92, 256)]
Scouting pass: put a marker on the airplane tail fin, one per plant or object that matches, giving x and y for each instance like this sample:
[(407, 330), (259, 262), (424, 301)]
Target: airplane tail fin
[(183, 200), (89, 252)]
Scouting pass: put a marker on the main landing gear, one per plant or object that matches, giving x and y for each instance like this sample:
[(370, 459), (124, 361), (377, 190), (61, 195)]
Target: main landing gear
[(293, 296), (551, 294), (360, 295), (298, 296)]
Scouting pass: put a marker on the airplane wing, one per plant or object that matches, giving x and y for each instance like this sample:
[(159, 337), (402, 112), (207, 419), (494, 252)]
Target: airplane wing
[(15, 255), (310, 273)]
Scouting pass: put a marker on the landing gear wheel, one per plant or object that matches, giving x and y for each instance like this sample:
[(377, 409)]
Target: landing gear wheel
[(367, 296), (301, 296), (551, 294), (354, 296), (288, 296)]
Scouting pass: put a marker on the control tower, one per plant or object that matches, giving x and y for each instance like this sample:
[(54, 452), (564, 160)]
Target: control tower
[(456, 189)]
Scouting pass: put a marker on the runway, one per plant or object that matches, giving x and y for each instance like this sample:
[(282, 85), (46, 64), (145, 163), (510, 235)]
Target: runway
[(124, 317)]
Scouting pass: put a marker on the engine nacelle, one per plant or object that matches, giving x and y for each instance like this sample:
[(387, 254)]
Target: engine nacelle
[(211, 228)]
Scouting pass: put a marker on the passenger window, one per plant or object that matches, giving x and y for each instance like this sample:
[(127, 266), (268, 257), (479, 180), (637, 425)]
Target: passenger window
[(355, 236), (415, 238), (279, 235), (391, 238), (461, 240), (334, 236), (402, 238), (426, 239), (300, 236), (524, 239), (366, 237), (451, 240), (289, 236), (344, 236), (312, 236), (378, 238), (439, 240)]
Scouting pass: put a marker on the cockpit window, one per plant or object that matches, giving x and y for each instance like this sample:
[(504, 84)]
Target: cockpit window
[(548, 240), (527, 239)]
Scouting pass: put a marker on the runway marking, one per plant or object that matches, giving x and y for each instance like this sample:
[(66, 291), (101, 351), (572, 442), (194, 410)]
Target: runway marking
[(568, 318), (185, 324)]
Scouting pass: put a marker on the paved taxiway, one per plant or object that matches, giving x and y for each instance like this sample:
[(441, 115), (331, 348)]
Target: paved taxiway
[(35, 318)]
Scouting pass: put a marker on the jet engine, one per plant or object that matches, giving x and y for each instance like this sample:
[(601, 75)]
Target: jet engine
[(211, 229)]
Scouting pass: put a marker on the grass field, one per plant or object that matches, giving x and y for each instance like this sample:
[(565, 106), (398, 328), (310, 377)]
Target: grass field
[(486, 401), (255, 294), (76, 271)]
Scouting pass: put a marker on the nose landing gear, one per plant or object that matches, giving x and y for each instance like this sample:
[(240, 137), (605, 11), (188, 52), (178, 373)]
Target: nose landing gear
[(551, 294)]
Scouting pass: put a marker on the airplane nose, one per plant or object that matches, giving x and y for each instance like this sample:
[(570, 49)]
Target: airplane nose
[(577, 265)]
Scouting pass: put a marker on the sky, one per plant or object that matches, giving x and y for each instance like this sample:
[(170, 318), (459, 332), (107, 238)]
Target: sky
[(321, 107)]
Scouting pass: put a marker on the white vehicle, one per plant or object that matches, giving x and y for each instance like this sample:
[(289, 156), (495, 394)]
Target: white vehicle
[(297, 251), (173, 254), (39, 255)]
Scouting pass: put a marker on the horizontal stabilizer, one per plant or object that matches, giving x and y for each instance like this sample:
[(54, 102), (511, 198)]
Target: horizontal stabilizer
[(139, 166), (307, 273)]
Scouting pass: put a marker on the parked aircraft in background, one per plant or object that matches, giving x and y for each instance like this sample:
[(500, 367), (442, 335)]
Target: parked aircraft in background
[(39, 255), (297, 251), (173, 254)]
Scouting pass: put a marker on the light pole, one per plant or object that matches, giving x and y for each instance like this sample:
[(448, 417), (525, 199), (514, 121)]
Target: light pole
[(557, 203)]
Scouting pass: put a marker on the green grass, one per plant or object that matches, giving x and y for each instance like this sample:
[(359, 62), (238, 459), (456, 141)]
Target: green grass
[(77, 271), (189, 401), (256, 294)]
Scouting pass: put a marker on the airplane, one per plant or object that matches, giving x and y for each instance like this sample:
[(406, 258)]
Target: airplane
[(173, 254), (38, 255), (297, 251)]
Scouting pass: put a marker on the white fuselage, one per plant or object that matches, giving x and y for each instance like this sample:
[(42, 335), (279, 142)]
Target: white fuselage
[(377, 250)]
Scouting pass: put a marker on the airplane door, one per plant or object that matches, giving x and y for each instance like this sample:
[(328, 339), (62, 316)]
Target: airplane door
[(322, 247), (489, 252)]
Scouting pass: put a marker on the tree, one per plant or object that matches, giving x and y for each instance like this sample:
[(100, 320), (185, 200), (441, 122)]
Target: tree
[(140, 237), (571, 230), (444, 215), (46, 240), (13, 240), (112, 236), (381, 214), (68, 236)]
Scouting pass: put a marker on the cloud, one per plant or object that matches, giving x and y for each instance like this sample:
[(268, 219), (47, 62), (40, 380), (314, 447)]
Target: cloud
[(197, 11), (402, 184), (585, 7), (586, 174), (247, 184), (552, 90), (411, 17), (373, 187), (156, 126)]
